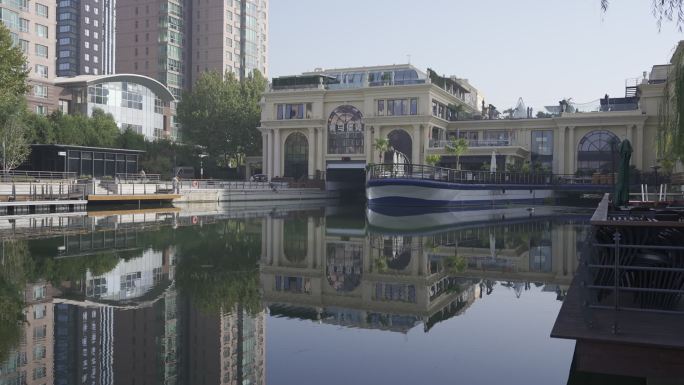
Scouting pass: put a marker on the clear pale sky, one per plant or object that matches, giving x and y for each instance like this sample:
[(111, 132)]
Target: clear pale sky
[(540, 50)]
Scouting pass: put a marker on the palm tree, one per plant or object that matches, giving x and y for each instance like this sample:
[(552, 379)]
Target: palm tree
[(382, 145), (457, 147), (433, 159), (456, 110)]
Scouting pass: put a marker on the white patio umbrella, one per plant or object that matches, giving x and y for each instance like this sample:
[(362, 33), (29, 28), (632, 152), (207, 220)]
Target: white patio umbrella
[(492, 165)]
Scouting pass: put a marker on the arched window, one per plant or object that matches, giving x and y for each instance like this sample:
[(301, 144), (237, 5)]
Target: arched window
[(397, 252), (295, 239), (345, 131), (344, 266), (296, 156), (401, 141), (598, 152)]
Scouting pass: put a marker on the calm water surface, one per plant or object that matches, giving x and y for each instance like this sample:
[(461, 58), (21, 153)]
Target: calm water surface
[(285, 295)]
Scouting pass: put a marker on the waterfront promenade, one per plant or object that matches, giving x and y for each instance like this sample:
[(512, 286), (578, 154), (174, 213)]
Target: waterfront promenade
[(42, 192), (625, 301)]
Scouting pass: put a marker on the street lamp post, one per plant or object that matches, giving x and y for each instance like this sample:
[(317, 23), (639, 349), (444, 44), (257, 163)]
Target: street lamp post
[(655, 174), (202, 156)]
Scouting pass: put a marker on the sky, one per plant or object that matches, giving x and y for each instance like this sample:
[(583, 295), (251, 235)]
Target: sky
[(540, 50)]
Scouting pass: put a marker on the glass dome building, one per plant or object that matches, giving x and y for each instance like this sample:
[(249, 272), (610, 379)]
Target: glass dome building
[(137, 102)]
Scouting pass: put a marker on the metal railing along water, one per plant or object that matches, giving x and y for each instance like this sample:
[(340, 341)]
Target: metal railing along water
[(33, 176), (425, 172), (635, 261), (138, 177)]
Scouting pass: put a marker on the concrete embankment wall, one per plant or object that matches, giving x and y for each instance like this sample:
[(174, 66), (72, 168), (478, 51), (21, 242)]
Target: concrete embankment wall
[(247, 195)]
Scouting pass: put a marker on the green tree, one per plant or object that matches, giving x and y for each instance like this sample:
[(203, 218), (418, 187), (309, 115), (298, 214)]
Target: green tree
[(221, 114), (131, 140), (15, 269), (663, 10), (671, 114), (103, 129), (14, 134), (457, 147), (457, 111), (382, 145), (219, 266), (433, 159), (70, 129), (13, 70), (100, 130), (41, 129)]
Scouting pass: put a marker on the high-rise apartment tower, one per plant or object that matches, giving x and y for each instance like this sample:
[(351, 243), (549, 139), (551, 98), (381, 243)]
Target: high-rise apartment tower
[(175, 41)]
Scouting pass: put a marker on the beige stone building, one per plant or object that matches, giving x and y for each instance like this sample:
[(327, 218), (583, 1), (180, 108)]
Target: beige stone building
[(328, 120), (325, 123)]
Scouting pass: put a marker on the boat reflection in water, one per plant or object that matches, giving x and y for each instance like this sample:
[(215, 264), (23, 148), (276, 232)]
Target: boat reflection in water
[(183, 297)]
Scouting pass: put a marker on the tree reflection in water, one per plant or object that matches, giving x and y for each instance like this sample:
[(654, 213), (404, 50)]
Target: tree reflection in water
[(16, 268)]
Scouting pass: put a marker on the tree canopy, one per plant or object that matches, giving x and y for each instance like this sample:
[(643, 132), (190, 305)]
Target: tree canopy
[(14, 135), (13, 72), (221, 114), (663, 10)]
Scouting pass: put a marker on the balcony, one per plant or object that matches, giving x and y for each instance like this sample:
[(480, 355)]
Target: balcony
[(472, 143)]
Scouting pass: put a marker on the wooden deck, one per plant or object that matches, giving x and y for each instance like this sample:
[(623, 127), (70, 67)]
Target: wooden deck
[(116, 198), (643, 344)]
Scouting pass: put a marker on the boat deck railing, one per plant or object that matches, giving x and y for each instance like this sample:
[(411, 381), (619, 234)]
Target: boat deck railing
[(634, 260), (442, 174)]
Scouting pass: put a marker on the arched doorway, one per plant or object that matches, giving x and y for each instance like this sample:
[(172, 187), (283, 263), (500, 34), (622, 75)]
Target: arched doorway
[(296, 156), (598, 152), (295, 240), (400, 141)]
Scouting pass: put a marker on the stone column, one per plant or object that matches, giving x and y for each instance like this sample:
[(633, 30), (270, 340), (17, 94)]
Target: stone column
[(264, 241), (269, 164), (571, 147), (638, 145), (265, 154), (312, 152), (415, 145), (368, 144), (378, 135), (310, 243), (322, 148), (277, 158), (559, 150)]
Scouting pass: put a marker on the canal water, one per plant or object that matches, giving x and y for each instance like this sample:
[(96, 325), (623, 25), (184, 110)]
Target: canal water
[(302, 294)]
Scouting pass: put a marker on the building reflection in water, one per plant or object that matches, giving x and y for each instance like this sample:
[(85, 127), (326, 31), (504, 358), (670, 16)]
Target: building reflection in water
[(344, 271), (118, 312)]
